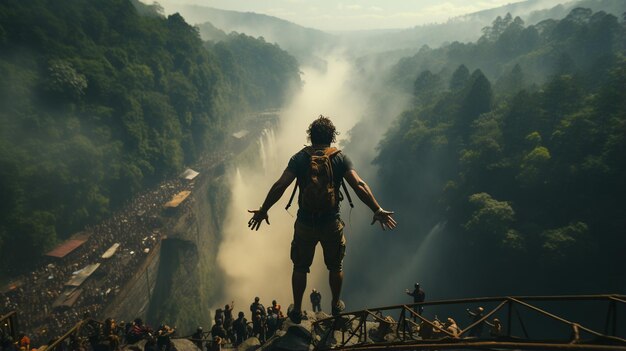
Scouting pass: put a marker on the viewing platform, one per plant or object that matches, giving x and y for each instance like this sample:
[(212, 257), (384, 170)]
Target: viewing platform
[(524, 323)]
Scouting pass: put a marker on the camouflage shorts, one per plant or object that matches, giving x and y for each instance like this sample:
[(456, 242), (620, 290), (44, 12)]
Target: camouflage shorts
[(305, 239)]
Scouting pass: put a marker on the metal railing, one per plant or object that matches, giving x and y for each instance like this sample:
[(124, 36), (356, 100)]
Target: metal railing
[(77, 336), (368, 329), (207, 341), (74, 337), (8, 324)]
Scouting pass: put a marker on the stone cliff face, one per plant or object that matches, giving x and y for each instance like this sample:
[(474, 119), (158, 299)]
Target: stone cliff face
[(179, 279), (134, 299), (188, 278)]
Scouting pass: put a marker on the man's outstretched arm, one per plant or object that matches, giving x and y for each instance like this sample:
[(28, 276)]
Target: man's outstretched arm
[(276, 192), (365, 194)]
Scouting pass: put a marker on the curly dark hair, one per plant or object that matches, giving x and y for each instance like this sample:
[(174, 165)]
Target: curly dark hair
[(322, 131)]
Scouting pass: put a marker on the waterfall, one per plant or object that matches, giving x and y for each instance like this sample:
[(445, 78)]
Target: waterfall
[(267, 149), (263, 153)]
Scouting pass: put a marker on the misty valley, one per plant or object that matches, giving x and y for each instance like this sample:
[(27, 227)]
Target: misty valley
[(138, 140)]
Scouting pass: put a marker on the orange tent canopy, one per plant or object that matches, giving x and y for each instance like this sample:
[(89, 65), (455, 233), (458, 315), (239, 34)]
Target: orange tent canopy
[(66, 247), (178, 199)]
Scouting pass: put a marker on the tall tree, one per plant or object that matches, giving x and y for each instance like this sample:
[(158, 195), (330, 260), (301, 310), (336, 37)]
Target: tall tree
[(477, 99), (459, 79)]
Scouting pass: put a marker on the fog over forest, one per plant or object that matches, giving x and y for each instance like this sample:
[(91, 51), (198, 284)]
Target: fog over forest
[(497, 138)]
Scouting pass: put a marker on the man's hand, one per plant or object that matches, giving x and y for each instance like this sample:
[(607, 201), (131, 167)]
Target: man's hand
[(257, 218), (385, 219)]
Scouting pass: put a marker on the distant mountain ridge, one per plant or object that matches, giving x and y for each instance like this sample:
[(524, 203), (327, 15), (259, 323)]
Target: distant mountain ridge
[(468, 28), (299, 41), (304, 43)]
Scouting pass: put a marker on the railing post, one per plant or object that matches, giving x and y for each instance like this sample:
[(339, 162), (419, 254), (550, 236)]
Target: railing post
[(15, 326), (343, 333), (364, 327), (610, 315), (614, 318), (403, 317), (509, 318)]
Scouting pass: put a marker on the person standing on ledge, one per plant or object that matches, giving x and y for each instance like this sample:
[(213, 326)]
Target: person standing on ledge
[(320, 170), (316, 300), (418, 296)]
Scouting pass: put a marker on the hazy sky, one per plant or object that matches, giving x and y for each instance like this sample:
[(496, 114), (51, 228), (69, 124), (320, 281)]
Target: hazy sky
[(352, 14)]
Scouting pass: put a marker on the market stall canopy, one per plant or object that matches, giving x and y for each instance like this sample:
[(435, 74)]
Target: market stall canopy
[(111, 251), (68, 246), (80, 276), (241, 134), (178, 199), (189, 174), (67, 298)]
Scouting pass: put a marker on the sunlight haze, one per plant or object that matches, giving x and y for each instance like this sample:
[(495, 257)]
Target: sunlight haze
[(351, 15)]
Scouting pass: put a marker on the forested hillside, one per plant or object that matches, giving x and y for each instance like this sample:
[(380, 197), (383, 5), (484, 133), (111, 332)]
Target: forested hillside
[(550, 47), (97, 101), (518, 142), (303, 43), (297, 40), (467, 28)]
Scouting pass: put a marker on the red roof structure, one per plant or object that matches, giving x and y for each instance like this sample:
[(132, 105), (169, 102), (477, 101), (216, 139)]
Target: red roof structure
[(68, 246)]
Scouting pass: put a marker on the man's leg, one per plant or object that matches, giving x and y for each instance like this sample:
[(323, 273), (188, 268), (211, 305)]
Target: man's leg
[(302, 252), (335, 279), (298, 285), (334, 245)]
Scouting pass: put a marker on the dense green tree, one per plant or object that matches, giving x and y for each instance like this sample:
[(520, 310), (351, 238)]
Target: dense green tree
[(426, 86), (459, 79), (102, 98), (498, 26), (490, 218), (519, 121), (568, 241), (511, 83), (63, 81), (477, 99), (536, 165)]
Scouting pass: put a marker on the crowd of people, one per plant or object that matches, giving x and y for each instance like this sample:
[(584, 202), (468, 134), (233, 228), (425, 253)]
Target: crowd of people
[(230, 330), (96, 336), (266, 321), (137, 230), (111, 335), (263, 324), (450, 328)]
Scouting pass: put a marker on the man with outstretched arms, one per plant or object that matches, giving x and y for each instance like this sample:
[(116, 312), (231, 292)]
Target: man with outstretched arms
[(320, 170)]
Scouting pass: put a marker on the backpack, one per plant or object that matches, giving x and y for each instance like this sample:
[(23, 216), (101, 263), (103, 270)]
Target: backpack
[(318, 194)]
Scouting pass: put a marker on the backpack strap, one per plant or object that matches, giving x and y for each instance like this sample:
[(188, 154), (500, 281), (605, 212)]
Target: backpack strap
[(292, 195), (309, 150), (345, 190), (331, 151)]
